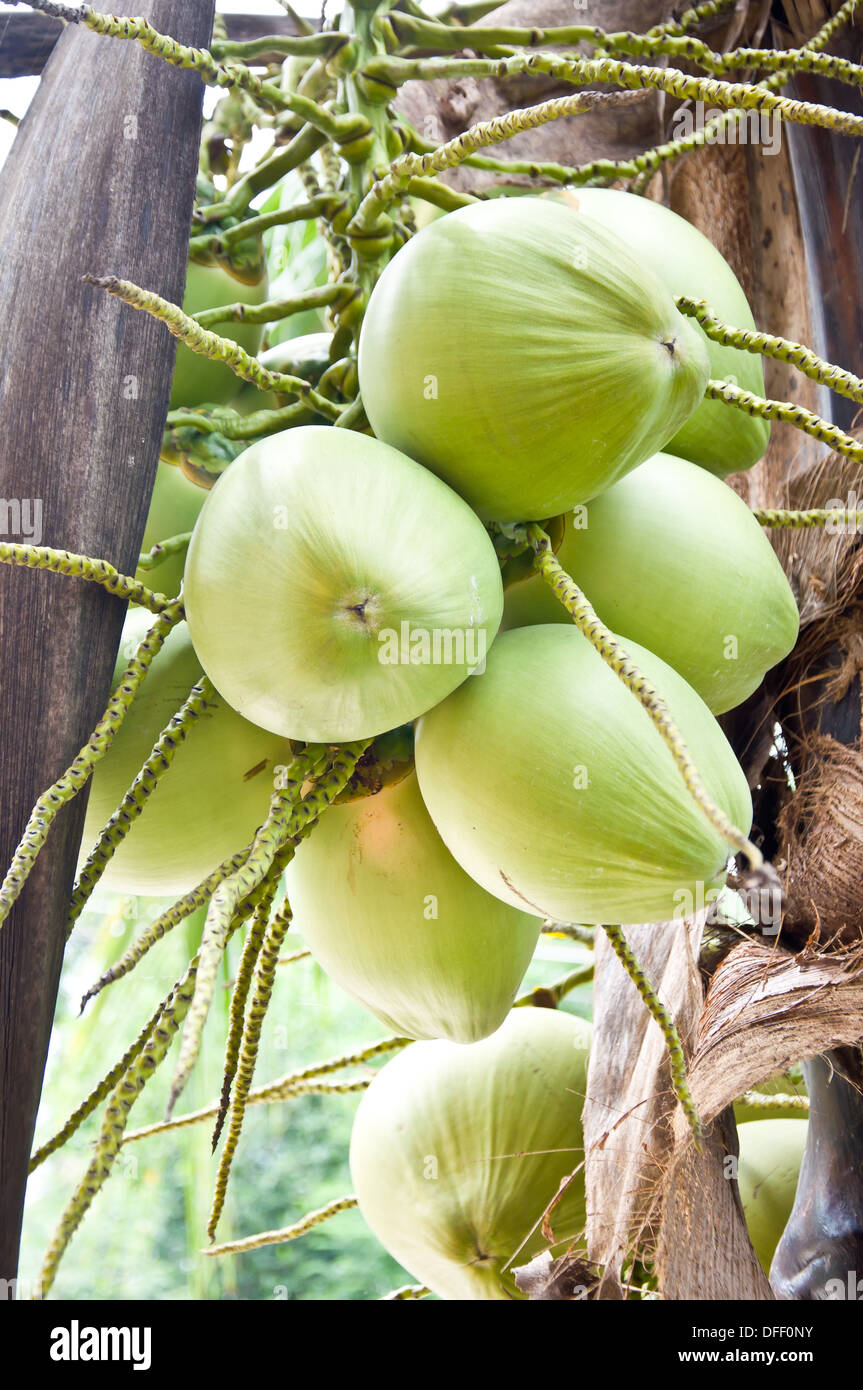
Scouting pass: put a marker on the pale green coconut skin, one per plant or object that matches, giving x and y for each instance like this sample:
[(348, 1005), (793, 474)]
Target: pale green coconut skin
[(305, 528), (199, 379), (551, 787), (673, 559), (174, 509), (716, 436), (771, 1152), (212, 798), (456, 1152), (391, 917), (525, 356)]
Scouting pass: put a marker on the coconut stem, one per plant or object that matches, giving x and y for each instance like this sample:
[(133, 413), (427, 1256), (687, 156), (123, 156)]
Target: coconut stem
[(190, 902), (674, 1047), (308, 1080), (210, 345), (607, 170), (70, 783), (775, 517), (299, 1228), (43, 557), (789, 413), (769, 345), (606, 644), (302, 816), (135, 1077), (99, 1092)]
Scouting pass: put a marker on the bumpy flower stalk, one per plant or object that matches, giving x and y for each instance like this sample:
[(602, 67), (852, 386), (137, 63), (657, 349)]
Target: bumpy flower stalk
[(309, 1080), (226, 901), (606, 644), (570, 929), (273, 309), (234, 75), (134, 801), (549, 996), (409, 167), (689, 18), (218, 243), (173, 545), (674, 1047), (405, 1292), (763, 1100), (294, 956), (630, 76), (305, 813), (774, 518), (252, 948), (210, 345), (79, 771), (99, 1092), (42, 557), (166, 921), (790, 414), (116, 1118), (769, 345), (299, 1228), (650, 160)]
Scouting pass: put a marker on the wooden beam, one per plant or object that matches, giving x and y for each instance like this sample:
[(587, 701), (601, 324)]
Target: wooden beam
[(26, 39), (100, 179)]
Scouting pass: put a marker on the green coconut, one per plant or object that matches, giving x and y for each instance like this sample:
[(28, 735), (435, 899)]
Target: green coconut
[(673, 559), (771, 1152), (391, 917), (212, 798), (552, 788), (457, 1151), (715, 436), (335, 589), (526, 356)]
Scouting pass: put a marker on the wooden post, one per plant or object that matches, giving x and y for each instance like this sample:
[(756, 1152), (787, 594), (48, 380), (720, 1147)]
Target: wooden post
[(100, 179)]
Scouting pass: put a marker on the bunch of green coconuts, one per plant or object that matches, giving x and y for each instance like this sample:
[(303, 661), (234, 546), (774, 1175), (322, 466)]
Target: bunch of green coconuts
[(520, 359)]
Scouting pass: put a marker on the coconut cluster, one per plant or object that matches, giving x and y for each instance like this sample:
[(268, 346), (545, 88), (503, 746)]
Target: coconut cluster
[(520, 359)]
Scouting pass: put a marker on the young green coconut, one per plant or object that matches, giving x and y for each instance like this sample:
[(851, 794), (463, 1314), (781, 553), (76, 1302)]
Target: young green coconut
[(392, 918), (457, 1151), (526, 356), (174, 509), (771, 1152), (550, 785), (673, 559), (212, 798), (715, 437), (335, 589)]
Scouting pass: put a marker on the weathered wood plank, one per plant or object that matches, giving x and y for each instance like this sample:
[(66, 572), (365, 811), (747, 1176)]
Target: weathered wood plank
[(100, 179)]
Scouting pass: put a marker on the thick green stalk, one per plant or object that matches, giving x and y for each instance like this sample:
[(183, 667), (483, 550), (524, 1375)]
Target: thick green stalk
[(43, 557), (210, 345), (789, 413), (299, 1228), (769, 345), (668, 1028), (108, 1144)]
